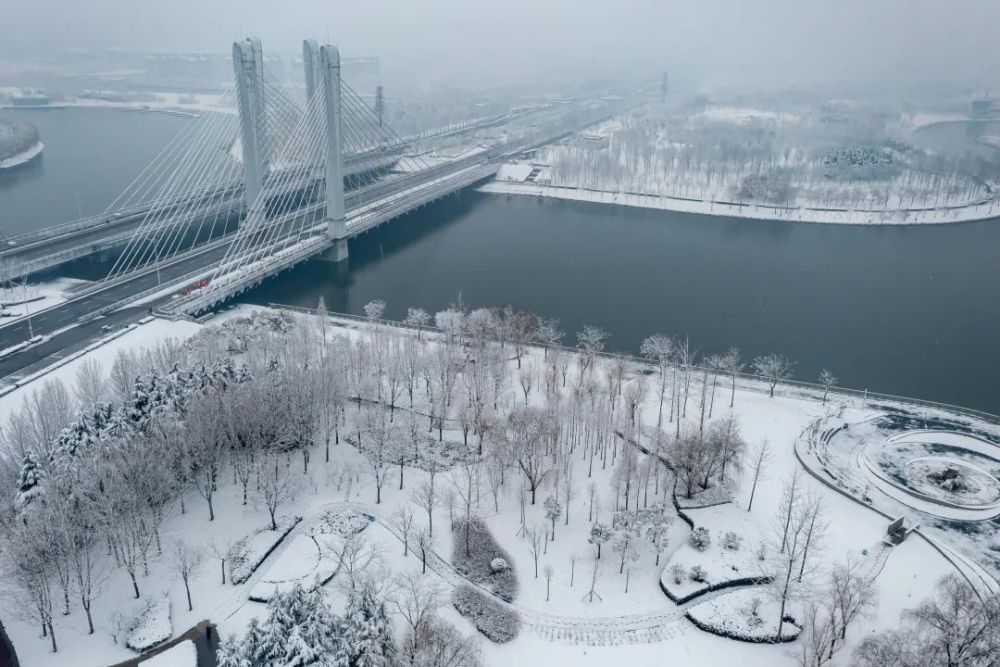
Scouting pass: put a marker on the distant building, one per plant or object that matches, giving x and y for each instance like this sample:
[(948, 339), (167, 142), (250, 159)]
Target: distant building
[(33, 100), (983, 107)]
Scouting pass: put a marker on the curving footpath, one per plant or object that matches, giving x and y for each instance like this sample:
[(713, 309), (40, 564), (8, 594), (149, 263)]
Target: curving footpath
[(649, 627), (848, 478)]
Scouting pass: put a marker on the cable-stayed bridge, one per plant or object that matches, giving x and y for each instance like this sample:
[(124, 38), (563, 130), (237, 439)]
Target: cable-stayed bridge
[(293, 174)]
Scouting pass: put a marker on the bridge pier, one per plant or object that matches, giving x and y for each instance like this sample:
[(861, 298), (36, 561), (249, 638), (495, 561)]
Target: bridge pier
[(248, 64), (337, 253), (336, 229)]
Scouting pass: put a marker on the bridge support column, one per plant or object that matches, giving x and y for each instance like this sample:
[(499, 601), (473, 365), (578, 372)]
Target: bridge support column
[(336, 225), (337, 252), (248, 64), (311, 65)]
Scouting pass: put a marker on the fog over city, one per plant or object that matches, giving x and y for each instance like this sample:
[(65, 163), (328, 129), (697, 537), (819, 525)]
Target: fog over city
[(449, 333), (767, 42)]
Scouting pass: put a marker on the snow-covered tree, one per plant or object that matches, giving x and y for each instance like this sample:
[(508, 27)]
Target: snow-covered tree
[(773, 368), (31, 485), (599, 534), (185, 561), (828, 380), (364, 634), (553, 510)]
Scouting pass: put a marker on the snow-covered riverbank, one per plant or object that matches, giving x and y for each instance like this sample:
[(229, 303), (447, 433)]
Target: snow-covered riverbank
[(983, 210), (25, 156)]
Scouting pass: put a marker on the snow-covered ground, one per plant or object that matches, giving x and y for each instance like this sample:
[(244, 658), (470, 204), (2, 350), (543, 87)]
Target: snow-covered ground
[(151, 627), (747, 162), (638, 625), (981, 211), (181, 655), (720, 562), (743, 115), (21, 158), (180, 102)]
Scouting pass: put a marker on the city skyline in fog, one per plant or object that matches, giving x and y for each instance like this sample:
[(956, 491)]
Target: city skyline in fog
[(770, 43)]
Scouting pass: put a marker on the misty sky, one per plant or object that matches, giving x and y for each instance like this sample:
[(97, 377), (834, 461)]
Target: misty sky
[(774, 42)]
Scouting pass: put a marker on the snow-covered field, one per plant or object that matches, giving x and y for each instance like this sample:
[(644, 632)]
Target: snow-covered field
[(21, 158), (758, 163), (577, 609), (971, 213)]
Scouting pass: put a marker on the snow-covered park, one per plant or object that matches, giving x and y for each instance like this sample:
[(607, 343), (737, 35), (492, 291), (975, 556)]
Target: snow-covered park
[(821, 163), (460, 489)]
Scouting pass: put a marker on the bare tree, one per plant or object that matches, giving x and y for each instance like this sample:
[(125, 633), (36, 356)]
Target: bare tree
[(528, 431), (548, 334), (32, 574), (955, 628), (91, 383), (402, 518), (761, 458), (415, 599), (354, 557), (732, 364), (828, 380), (659, 348), (424, 544), (536, 539), (548, 570), (851, 596), (276, 485), (797, 529), (206, 440), (592, 340), (427, 498), (376, 448), (221, 550), (773, 368), (417, 318), (439, 644), (185, 561), (465, 486)]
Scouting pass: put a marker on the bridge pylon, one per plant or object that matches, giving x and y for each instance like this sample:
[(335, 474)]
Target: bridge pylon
[(336, 224), (248, 65)]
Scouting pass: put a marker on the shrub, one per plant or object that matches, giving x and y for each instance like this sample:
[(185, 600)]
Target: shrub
[(499, 565), (698, 574), (478, 565), (498, 623), (732, 541), (677, 572), (151, 627), (754, 620), (700, 538)]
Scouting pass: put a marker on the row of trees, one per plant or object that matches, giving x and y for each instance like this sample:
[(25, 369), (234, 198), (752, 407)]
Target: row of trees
[(763, 161)]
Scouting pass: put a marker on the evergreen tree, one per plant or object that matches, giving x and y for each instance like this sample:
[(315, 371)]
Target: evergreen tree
[(365, 635), (30, 483)]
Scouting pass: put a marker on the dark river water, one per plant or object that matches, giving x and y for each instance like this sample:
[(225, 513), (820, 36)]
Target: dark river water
[(90, 155), (906, 310)]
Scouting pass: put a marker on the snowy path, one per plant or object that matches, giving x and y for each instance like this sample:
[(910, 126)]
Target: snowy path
[(852, 482), (649, 627)]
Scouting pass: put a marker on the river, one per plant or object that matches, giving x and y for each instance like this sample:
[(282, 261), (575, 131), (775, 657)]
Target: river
[(906, 310)]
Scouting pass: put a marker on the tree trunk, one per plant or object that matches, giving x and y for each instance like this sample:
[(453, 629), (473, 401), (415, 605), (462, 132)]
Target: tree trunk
[(135, 585), (90, 621)]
